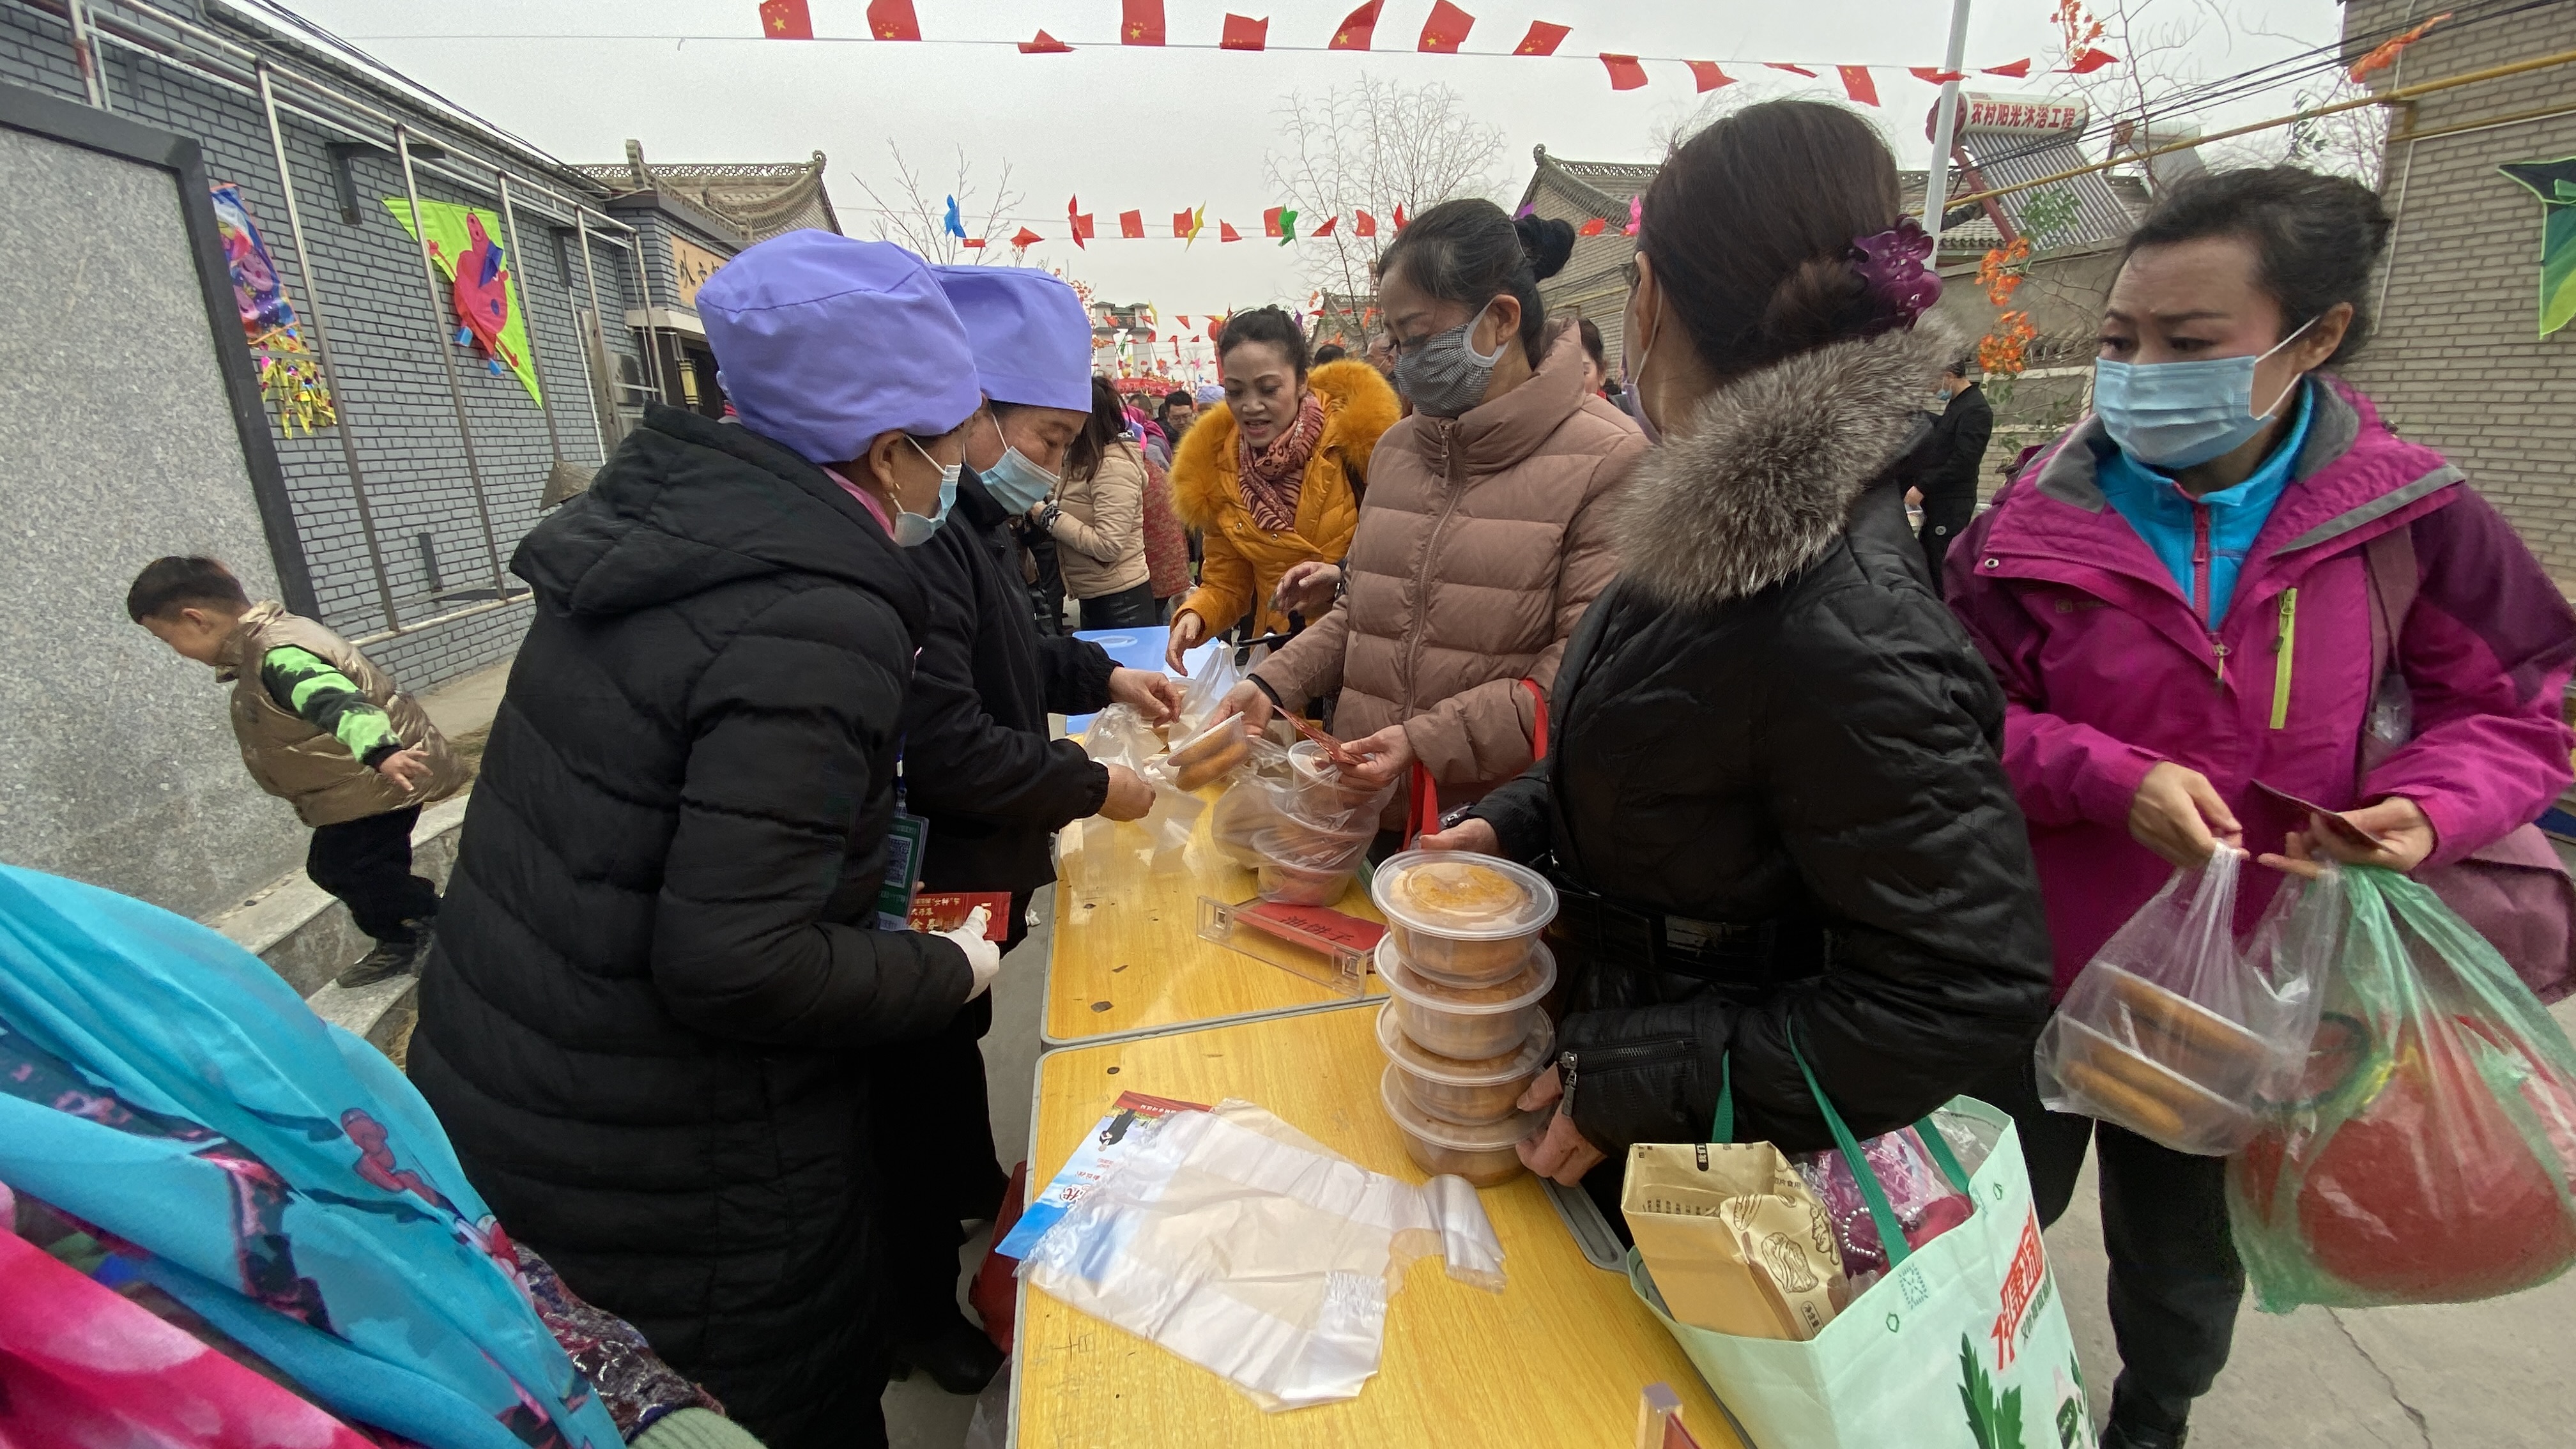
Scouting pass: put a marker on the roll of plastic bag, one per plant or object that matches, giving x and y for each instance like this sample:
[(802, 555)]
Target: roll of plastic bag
[(1248, 1249)]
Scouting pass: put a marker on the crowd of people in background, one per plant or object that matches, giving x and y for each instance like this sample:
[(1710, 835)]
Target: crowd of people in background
[(1820, 788)]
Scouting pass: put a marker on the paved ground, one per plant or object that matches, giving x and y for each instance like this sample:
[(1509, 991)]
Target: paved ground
[(465, 705), (2486, 1376)]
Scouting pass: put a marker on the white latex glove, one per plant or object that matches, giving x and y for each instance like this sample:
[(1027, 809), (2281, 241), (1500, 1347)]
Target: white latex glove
[(983, 957)]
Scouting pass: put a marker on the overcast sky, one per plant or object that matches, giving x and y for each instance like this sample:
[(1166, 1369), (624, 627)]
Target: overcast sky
[(1161, 130)]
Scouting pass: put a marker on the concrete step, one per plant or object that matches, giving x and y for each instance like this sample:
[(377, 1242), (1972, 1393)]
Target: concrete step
[(307, 937)]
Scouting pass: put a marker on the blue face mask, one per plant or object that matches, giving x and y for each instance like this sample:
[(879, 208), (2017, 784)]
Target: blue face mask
[(911, 530), (1020, 484), (2176, 415)]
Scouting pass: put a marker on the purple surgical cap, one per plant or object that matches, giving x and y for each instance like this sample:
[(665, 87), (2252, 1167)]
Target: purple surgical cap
[(1031, 336), (823, 341), (1210, 393)]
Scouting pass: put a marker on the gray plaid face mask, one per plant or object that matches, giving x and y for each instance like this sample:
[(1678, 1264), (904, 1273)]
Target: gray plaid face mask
[(1445, 375)]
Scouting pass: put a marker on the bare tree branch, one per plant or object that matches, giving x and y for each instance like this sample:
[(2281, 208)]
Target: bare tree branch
[(919, 221), (1374, 145)]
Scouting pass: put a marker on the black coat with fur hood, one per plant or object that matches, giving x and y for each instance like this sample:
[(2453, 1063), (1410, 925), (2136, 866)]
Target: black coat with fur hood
[(1775, 756)]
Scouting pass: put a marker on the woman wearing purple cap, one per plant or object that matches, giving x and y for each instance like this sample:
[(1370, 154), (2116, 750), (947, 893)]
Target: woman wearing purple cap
[(660, 972)]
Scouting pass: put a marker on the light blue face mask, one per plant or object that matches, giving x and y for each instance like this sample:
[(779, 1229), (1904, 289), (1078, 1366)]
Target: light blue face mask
[(2176, 415), (911, 530), (1020, 484)]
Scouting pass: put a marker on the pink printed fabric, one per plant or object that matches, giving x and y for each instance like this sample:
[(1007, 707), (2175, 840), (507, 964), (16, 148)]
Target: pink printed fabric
[(82, 1366), (2107, 671)]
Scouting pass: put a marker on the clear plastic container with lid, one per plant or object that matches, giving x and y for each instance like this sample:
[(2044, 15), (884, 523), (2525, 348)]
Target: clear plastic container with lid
[(1463, 920), (1485, 1155), (1466, 1023), (1470, 1093)]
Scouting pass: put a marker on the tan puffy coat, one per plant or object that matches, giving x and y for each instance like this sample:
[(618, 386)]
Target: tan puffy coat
[(1100, 534), (308, 767), (1483, 540)]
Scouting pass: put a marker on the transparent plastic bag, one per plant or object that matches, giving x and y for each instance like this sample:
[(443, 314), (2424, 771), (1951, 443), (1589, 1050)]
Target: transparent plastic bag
[(1258, 799), (1325, 795), (2427, 1152), (2173, 1032), (1299, 862), (1213, 676), (1926, 1203), (1251, 1250), (1119, 735)]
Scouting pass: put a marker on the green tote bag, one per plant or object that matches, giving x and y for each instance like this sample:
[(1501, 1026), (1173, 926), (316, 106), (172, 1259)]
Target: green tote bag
[(1962, 1345)]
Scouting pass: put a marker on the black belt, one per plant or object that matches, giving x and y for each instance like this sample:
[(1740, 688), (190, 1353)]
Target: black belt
[(1747, 955)]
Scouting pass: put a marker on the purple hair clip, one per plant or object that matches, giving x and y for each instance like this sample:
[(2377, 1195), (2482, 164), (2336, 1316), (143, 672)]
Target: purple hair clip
[(1891, 266)]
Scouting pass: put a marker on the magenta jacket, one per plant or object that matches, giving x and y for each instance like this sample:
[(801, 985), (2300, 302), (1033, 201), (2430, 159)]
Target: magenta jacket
[(2107, 669)]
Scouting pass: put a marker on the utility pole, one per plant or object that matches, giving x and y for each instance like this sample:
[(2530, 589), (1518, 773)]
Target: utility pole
[(1945, 128)]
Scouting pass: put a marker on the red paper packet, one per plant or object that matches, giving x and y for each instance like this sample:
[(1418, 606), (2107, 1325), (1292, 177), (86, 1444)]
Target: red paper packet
[(1306, 925), (947, 910)]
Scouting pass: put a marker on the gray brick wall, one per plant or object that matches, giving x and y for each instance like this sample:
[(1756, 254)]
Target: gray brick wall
[(394, 394), (2459, 364)]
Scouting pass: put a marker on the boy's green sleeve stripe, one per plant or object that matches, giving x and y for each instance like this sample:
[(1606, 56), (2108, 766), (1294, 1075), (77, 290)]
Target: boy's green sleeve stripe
[(306, 685)]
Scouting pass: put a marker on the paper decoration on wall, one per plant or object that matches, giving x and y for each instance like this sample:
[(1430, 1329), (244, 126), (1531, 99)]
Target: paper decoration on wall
[(786, 20), (289, 375), (2554, 182), (462, 247)]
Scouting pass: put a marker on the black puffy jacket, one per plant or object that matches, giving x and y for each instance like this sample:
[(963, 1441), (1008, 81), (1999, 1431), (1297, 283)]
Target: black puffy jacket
[(977, 763), (1772, 729), (648, 1016)]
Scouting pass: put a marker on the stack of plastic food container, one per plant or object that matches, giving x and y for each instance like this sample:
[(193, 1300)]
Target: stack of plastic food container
[(1463, 1029)]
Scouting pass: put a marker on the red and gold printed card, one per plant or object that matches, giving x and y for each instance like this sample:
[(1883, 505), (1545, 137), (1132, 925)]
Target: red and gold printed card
[(947, 910)]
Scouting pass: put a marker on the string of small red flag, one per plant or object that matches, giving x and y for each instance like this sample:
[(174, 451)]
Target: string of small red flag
[(1282, 223), (1444, 32)]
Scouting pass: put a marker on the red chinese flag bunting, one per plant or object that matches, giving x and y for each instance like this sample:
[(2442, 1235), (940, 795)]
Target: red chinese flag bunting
[(1142, 23), (1244, 33), (1080, 221), (1791, 69), (1225, 232), (1270, 221), (1131, 225), (1707, 76), (892, 20), (1026, 239), (1363, 224), (1857, 84), (786, 20), (1358, 28), (1934, 75), (1045, 44), (1181, 228), (2091, 61), (1325, 230), (2018, 70), (1542, 38), (1625, 73), (1446, 30), (1399, 216), (972, 241), (1595, 227)]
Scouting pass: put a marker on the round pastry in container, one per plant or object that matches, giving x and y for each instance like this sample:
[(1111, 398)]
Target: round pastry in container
[(1466, 1023), (1463, 920), (1468, 1093), (1211, 752), (1486, 1155)]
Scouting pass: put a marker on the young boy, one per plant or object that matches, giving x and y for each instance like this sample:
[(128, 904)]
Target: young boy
[(325, 730)]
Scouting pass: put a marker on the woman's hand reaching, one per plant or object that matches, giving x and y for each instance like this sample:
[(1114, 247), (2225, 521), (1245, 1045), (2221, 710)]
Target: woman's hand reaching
[(2406, 838), (2178, 815)]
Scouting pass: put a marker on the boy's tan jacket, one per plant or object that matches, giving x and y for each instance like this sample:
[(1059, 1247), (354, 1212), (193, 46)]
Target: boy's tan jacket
[(308, 767)]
